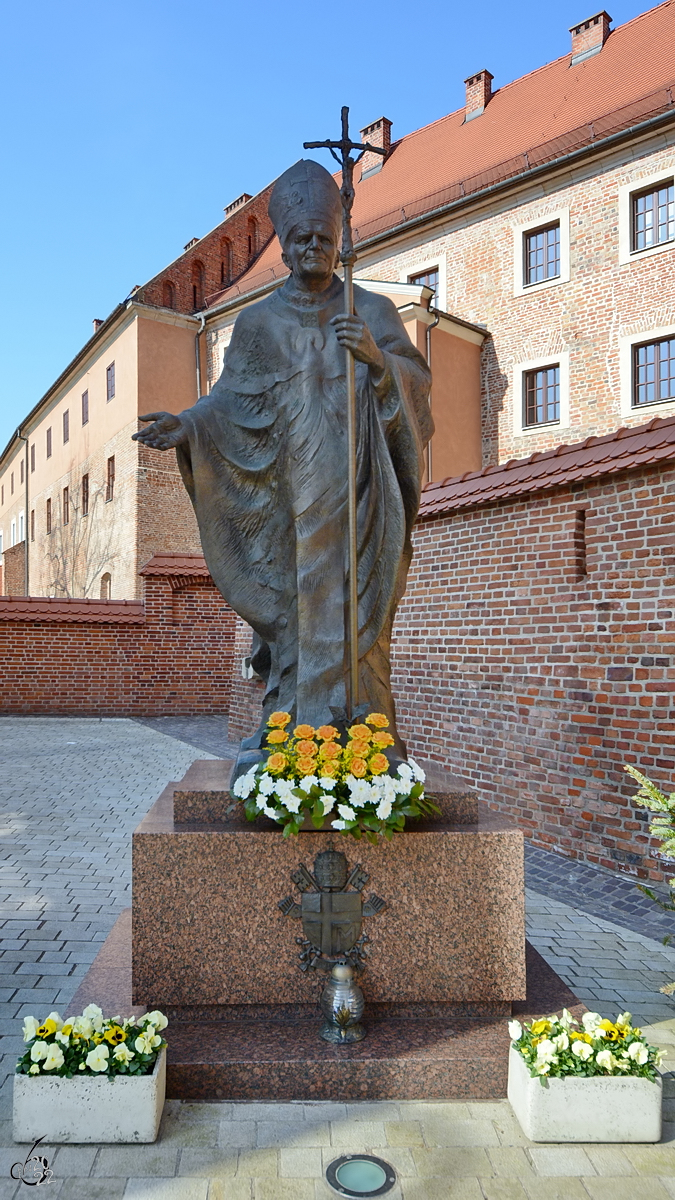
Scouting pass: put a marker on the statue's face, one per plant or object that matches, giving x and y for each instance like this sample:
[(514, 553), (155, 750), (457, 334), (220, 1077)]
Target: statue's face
[(311, 252)]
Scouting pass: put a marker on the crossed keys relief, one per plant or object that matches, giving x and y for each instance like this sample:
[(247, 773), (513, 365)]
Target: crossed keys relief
[(331, 909)]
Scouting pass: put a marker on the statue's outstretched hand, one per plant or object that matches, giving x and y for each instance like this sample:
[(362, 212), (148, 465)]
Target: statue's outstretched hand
[(354, 335), (165, 432)]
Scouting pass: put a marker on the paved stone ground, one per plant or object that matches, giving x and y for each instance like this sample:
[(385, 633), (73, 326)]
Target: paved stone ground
[(72, 791)]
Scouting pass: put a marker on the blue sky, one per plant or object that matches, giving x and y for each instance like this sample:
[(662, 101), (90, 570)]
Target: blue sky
[(129, 126)]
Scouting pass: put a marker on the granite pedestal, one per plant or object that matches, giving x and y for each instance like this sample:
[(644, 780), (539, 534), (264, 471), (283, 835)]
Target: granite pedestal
[(446, 958)]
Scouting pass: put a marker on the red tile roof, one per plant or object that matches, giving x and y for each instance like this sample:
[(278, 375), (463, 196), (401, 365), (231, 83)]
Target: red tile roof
[(84, 612), (597, 456), (536, 119), (174, 565)]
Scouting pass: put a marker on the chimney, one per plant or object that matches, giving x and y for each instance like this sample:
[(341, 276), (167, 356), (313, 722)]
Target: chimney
[(97, 324), (230, 208), (478, 93), (191, 243), (589, 37), (378, 134)]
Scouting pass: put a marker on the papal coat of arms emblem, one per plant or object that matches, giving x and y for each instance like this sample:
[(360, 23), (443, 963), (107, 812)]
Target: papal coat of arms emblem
[(331, 909)]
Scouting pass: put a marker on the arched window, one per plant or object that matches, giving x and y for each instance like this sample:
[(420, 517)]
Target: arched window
[(106, 586), (225, 261), (197, 284), (252, 236), (169, 294)]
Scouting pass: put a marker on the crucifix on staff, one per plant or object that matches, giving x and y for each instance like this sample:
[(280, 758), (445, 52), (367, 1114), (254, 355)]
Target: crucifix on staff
[(304, 464), (349, 332)]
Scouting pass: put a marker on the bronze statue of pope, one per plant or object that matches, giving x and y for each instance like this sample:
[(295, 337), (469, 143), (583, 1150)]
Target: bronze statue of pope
[(264, 459)]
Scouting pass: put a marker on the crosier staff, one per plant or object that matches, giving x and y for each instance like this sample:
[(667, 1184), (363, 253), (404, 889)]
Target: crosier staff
[(348, 258)]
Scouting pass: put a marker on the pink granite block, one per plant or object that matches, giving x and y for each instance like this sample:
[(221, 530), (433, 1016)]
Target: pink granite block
[(207, 930)]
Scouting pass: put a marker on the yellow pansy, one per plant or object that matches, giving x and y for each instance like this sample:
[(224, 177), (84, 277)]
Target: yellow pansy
[(542, 1026)]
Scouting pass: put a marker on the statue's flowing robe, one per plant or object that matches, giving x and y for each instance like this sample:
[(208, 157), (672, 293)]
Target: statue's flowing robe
[(266, 469)]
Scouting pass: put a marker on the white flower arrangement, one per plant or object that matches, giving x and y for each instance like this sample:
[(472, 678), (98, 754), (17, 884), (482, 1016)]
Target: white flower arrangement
[(552, 1047), (92, 1044)]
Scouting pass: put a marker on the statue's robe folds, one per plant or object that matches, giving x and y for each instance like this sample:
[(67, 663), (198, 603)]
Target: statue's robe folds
[(266, 469)]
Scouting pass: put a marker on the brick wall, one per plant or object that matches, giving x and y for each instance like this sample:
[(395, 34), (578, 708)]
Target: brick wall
[(209, 251), (164, 510), (169, 654), (536, 683), (14, 570), (247, 694)]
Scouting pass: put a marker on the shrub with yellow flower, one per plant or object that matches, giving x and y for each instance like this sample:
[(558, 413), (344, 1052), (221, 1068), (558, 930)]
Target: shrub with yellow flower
[(81, 1046), (334, 769), (553, 1048)]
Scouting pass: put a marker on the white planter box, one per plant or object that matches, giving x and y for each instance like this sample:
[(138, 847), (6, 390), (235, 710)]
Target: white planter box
[(89, 1109), (600, 1109)]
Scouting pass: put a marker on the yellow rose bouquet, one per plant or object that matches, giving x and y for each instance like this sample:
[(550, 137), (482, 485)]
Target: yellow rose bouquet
[(92, 1044), (315, 772)]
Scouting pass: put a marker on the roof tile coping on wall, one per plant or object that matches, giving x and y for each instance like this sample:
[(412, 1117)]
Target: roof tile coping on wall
[(94, 612), (619, 451), (181, 570), (165, 563)]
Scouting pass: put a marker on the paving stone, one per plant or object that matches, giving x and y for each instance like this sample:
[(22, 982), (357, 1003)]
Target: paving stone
[(154, 1160), (406, 1133), (561, 1160), (290, 1113), (230, 1189), (209, 1163), (651, 1160), (92, 1189), (441, 1189), (355, 1135), (74, 1160), (237, 1135), (300, 1133), (503, 1189), (166, 1189), (625, 1189), (283, 1189), (325, 1110), (510, 1161), (459, 1133), (609, 1160), (380, 1110), (303, 1163), (258, 1163), (563, 1188), (450, 1162)]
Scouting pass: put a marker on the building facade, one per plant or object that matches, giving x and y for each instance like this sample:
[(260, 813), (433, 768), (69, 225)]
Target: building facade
[(528, 241)]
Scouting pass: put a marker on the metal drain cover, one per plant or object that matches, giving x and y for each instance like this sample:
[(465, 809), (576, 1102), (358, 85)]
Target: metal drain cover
[(360, 1175)]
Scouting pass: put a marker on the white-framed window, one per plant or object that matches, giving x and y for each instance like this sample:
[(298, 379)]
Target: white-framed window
[(428, 266), (541, 394), (647, 367), (21, 526), (647, 216), (541, 252), (12, 533)]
